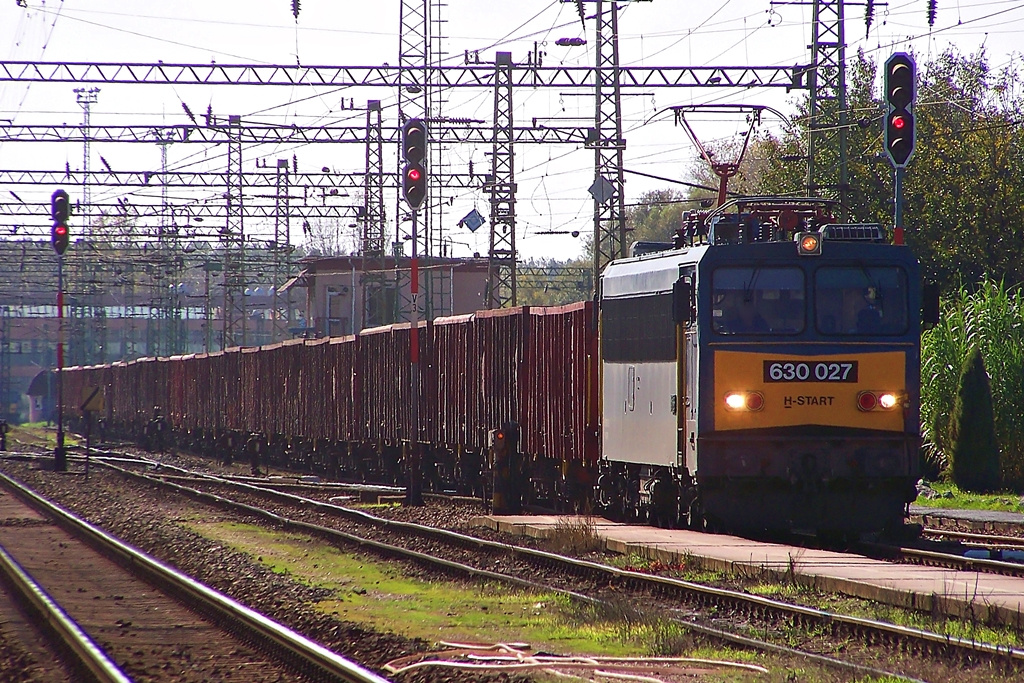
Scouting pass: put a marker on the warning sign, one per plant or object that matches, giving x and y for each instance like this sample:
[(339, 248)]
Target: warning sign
[(92, 400)]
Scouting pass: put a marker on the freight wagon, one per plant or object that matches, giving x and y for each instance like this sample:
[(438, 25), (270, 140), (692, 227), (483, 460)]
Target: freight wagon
[(342, 407)]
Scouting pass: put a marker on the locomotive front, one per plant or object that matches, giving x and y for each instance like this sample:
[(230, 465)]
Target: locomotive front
[(811, 379), (772, 385)]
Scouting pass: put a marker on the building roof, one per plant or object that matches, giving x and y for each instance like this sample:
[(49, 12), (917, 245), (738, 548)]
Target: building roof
[(329, 265), (40, 384)]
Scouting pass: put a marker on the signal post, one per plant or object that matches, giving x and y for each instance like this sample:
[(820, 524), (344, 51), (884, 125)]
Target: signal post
[(60, 210), (900, 83), (414, 191)]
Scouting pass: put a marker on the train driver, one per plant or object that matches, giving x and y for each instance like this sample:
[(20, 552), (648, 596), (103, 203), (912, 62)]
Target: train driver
[(869, 316), (740, 314)]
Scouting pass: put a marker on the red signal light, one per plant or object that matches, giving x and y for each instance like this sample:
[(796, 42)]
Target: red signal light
[(61, 230), (898, 122), (414, 174)]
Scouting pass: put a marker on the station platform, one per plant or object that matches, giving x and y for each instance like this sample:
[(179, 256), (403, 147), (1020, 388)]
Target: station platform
[(980, 520), (989, 598)]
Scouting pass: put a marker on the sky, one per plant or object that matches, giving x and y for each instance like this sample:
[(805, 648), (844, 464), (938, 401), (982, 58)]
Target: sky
[(552, 201)]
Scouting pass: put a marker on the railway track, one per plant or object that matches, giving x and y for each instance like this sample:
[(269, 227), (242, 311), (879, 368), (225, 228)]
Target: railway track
[(994, 553), (114, 625), (976, 539), (295, 512), (962, 551)]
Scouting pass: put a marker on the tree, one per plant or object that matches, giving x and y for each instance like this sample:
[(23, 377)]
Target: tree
[(964, 188), (656, 216), (975, 465), (547, 282)]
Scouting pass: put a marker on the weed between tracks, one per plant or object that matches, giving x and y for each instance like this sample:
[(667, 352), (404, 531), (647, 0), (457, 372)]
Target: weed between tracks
[(574, 536)]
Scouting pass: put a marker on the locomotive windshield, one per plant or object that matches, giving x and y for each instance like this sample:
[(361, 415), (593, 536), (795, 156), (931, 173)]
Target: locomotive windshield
[(749, 300), (861, 300)]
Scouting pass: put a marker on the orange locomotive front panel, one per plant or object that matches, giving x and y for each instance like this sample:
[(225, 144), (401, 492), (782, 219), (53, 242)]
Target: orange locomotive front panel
[(755, 390)]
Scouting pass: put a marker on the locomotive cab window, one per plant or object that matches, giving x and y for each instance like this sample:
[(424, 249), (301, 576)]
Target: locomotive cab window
[(638, 329), (861, 301), (761, 301)]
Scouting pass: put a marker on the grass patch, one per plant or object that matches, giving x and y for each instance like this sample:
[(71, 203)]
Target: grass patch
[(37, 434), (952, 497), (856, 607), (796, 593), (684, 570), (382, 596), (374, 506)]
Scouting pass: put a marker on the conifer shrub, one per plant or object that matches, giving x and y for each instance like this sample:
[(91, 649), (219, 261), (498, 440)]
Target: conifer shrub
[(975, 452), (989, 317)]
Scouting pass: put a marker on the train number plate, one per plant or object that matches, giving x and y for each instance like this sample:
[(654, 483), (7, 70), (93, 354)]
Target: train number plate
[(810, 371)]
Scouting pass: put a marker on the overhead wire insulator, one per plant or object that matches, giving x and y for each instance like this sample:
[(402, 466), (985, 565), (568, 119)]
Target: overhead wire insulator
[(295, 9), (933, 10), (579, 8), (869, 16)]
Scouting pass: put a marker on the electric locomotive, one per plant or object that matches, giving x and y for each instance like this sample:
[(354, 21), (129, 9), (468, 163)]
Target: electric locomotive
[(762, 375)]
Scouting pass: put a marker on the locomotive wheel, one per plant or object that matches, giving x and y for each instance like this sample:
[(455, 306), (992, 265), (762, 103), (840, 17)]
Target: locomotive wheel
[(665, 504), (693, 511), (611, 492)]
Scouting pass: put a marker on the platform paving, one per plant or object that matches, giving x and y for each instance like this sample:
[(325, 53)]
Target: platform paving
[(985, 597)]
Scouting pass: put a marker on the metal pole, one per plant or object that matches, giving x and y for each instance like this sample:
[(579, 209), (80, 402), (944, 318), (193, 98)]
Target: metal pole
[(414, 492), (88, 440), (60, 463), (208, 327), (897, 233)]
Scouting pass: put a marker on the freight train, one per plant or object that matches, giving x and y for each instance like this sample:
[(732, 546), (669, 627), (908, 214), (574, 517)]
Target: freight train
[(761, 373)]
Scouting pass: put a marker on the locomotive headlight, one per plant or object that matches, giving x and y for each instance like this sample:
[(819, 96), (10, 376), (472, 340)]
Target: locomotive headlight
[(744, 400), (736, 401), (887, 400), (877, 400)]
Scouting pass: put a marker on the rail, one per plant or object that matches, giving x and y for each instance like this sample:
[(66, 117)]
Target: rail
[(87, 655), (273, 636)]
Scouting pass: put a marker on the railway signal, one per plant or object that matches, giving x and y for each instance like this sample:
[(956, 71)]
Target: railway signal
[(900, 84), (414, 174), (60, 210)]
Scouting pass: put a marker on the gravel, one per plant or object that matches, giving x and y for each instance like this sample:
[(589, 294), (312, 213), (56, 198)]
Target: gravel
[(148, 519)]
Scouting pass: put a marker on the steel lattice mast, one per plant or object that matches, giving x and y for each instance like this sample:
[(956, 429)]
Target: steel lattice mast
[(413, 103), (501, 257), (374, 242), (233, 243), (827, 152), (281, 250), (609, 144)]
